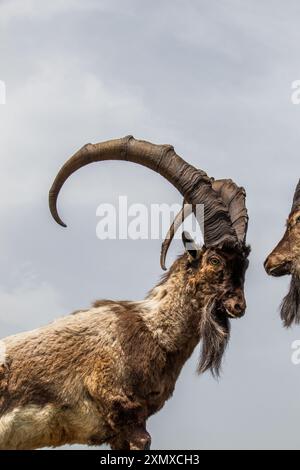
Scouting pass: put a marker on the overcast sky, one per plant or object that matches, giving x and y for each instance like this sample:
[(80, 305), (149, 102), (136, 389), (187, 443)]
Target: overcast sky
[(212, 78)]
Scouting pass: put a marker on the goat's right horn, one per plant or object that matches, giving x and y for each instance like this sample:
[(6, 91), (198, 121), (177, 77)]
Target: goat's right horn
[(232, 196), (185, 212), (193, 184)]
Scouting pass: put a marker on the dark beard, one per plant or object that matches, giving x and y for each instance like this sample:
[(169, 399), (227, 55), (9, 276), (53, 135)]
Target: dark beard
[(214, 331), (290, 307)]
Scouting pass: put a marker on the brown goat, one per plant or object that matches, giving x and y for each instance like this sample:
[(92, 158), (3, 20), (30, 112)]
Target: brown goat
[(285, 259), (95, 376)]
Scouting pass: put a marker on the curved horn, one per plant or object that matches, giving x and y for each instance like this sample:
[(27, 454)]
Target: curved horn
[(185, 212), (193, 184)]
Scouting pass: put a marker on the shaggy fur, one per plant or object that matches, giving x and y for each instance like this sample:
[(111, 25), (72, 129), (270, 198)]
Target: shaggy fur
[(97, 375), (290, 307), (215, 334)]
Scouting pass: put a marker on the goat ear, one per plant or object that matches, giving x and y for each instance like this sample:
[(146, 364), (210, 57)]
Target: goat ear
[(190, 245)]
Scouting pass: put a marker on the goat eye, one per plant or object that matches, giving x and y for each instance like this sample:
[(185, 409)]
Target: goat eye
[(298, 220), (215, 261)]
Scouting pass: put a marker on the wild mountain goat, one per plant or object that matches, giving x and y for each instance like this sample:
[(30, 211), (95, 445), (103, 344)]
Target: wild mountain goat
[(285, 259), (97, 375)]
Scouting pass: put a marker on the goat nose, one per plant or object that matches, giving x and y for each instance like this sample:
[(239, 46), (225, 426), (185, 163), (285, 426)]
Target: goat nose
[(268, 264), (238, 308), (277, 266), (235, 307)]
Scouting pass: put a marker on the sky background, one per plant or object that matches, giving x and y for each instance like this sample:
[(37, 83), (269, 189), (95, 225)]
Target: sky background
[(212, 78)]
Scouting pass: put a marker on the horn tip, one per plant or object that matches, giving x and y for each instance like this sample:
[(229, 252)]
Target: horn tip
[(163, 261), (53, 209), (60, 222), (58, 219)]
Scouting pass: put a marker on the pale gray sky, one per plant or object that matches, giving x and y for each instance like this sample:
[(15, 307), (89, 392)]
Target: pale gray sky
[(213, 78)]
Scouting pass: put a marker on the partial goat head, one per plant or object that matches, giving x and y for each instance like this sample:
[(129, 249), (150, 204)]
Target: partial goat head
[(285, 259)]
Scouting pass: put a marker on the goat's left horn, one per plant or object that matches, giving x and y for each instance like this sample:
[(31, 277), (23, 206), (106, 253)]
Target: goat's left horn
[(193, 184)]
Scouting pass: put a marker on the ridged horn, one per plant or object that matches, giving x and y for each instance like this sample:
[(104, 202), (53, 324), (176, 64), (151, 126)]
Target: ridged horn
[(234, 198), (192, 183)]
